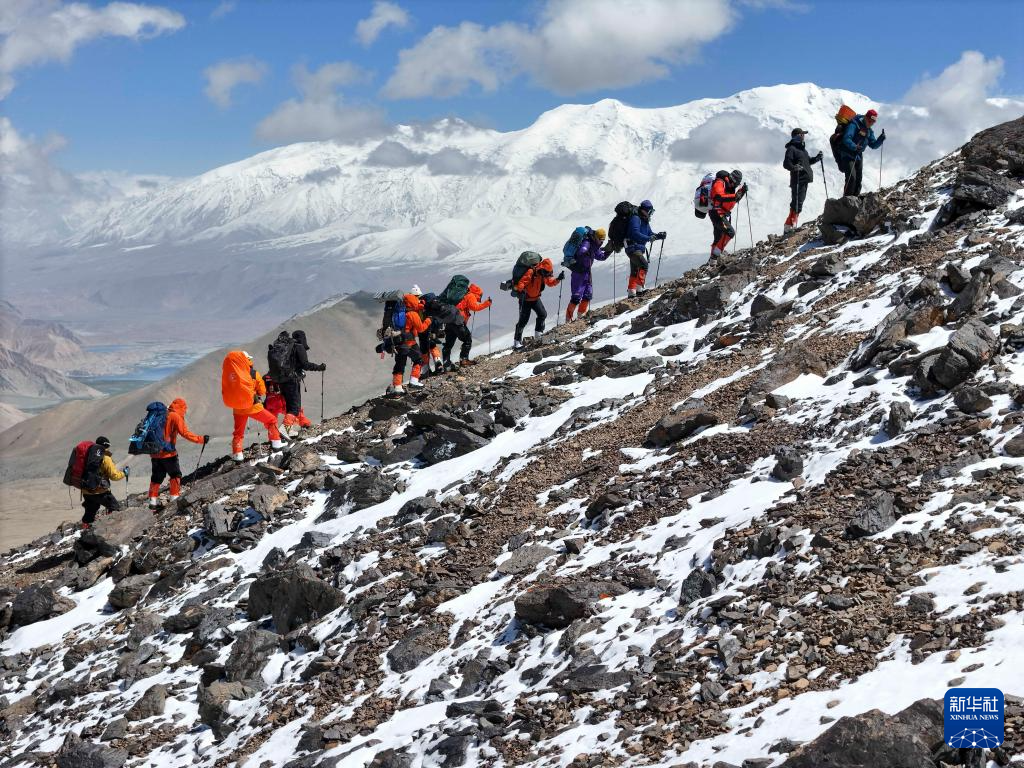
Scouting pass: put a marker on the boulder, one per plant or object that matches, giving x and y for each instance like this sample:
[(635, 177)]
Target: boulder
[(606, 501), (36, 603), (875, 518), (1000, 147), (302, 459), (795, 359), (899, 416), (293, 596), (957, 277), (1015, 446), (513, 407), (266, 499), (218, 521), (789, 463), (971, 400), (131, 590), (90, 545), (557, 607), (213, 700), (76, 753), (678, 426), (971, 298), (525, 559), (448, 443), (762, 304), (214, 486), (187, 619), (249, 654), (981, 189), (969, 348), (414, 647), (386, 408), (873, 738), (827, 266), (144, 625), (150, 704), (590, 678), (697, 584), (861, 215), (361, 490)]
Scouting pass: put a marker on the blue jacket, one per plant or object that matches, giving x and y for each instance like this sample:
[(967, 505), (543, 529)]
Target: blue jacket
[(856, 137), (638, 234)]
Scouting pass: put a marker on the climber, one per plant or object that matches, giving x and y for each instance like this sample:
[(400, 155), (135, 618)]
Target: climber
[(470, 303), (857, 136), (100, 495), (798, 162), (530, 287), (407, 347), (446, 321), (241, 389), (430, 353), (638, 235), (582, 280), (165, 463), (726, 191), (274, 401), (288, 363)]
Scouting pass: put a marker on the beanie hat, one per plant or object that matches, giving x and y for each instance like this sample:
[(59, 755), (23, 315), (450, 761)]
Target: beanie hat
[(247, 355), (737, 176), (647, 205), (102, 441), (416, 291), (600, 234), (872, 114)]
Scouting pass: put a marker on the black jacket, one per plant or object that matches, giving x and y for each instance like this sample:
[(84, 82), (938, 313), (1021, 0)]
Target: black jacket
[(300, 360), (798, 162)]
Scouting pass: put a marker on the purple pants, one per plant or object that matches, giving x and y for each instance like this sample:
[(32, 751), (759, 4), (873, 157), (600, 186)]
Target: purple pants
[(582, 287)]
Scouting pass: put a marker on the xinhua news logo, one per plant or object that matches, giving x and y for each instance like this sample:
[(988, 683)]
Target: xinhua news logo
[(974, 718)]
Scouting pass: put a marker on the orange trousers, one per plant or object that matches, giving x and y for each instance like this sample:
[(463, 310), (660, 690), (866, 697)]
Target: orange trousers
[(264, 417)]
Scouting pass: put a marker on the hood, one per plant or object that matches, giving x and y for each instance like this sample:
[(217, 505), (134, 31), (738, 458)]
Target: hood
[(178, 405), (795, 143), (413, 302), (300, 337), (546, 266), (475, 289)]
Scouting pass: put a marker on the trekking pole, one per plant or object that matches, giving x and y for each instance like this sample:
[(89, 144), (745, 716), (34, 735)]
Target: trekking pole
[(127, 474), (557, 316), (200, 461), (750, 227), (488, 329), (881, 162), (321, 397), (657, 271), (615, 295), (823, 179)]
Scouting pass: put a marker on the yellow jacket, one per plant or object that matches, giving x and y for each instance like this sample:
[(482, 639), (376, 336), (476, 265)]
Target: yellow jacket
[(108, 472)]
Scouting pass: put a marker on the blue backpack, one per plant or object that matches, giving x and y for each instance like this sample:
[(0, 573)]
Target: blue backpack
[(572, 245), (149, 434)]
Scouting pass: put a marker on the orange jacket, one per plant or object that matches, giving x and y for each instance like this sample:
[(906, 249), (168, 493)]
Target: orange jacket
[(176, 426), (261, 391), (471, 301), (532, 283), (414, 323), (723, 199)]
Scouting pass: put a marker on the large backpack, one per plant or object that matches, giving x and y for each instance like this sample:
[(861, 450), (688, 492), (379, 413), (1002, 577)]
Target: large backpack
[(572, 245), (835, 141), (702, 196), (281, 359), (392, 324), (526, 261), (237, 381), (455, 291), (624, 211), (83, 471), (149, 434)]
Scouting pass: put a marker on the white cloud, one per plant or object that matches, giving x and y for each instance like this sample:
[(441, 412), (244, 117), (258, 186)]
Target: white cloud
[(563, 163), (392, 154), (730, 137), (224, 76), (946, 110), (384, 14), (561, 51), (224, 7), (33, 32), (322, 113), (455, 162)]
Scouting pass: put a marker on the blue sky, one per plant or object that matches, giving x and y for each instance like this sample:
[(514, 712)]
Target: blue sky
[(140, 102)]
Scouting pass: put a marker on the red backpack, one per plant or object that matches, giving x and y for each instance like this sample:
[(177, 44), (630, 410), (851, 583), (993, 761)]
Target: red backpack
[(83, 470)]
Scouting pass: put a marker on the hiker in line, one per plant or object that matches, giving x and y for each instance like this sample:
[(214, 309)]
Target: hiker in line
[(407, 347), (471, 302), (430, 352), (274, 401), (638, 235), (165, 463), (530, 287), (798, 162), (241, 389), (727, 190), (582, 280), (100, 495), (857, 136), (288, 363)]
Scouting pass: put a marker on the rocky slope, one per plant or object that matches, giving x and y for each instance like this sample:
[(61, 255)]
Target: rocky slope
[(763, 516)]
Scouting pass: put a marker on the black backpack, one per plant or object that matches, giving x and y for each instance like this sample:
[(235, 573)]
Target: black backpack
[(83, 470), (624, 211), (281, 359)]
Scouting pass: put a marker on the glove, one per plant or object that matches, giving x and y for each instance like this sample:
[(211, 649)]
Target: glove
[(661, 236), (819, 157), (206, 439), (322, 367), (882, 137), (561, 276)]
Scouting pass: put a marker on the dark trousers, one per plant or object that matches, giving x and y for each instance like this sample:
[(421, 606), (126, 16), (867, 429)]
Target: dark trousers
[(403, 353), (93, 501), (798, 191), (291, 391), (525, 308), (637, 263), (854, 171), (722, 224), (452, 334), (162, 468)]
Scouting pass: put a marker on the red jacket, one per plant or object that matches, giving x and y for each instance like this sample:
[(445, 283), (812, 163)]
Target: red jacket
[(471, 301), (723, 198), (531, 285), (176, 427), (414, 323)]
